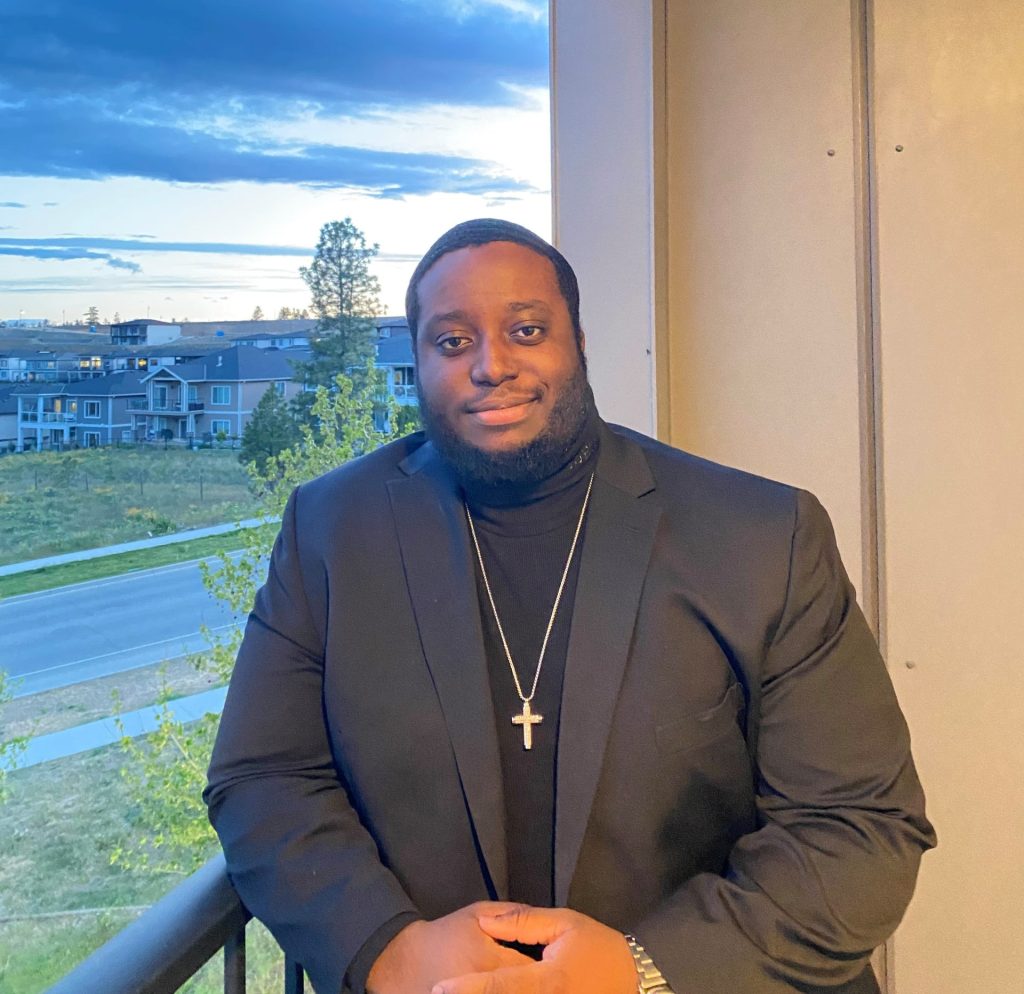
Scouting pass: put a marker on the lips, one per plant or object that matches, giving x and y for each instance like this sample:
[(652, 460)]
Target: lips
[(507, 411)]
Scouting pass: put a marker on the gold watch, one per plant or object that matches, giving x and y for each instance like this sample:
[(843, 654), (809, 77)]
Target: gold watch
[(649, 979)]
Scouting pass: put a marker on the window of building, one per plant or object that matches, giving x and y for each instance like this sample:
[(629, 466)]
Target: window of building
[(220, 426), (279, 388), (92, 410), (220, 394)]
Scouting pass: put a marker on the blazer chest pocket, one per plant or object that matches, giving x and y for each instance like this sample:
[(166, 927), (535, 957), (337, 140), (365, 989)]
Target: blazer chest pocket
[(702, 727)]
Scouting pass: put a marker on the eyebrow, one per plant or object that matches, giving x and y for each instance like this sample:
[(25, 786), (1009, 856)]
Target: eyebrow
[(527, 305), (513, 307), (447, 316)]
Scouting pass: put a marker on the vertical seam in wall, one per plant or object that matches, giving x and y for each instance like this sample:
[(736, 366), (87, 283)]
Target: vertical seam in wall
[(661, 346), (867, 307), (553, 115), (869, 352)]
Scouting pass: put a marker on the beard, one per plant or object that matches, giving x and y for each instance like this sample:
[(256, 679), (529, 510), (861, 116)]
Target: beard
[(526, 465)]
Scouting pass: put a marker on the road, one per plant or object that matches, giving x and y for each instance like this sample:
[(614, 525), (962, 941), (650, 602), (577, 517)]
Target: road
[(58, 637)]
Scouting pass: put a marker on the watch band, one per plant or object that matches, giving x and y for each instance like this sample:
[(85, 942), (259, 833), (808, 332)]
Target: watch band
[(649, 979)]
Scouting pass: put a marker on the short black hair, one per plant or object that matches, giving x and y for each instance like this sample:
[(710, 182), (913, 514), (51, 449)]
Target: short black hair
[(483, 231)]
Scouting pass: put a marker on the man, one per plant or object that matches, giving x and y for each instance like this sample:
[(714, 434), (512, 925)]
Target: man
[(526, 657)]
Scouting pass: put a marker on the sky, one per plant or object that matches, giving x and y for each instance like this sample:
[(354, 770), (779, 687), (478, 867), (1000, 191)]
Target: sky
[(176, 158)]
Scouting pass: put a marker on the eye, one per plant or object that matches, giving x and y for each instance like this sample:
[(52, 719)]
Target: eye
[(452, 343), (528, 332)]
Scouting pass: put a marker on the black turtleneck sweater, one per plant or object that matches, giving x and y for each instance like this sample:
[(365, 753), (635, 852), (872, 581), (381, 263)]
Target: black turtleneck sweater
[(525, 534), (525, 538)]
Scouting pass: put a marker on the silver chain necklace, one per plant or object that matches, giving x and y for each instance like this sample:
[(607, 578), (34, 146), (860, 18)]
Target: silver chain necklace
[(526, 718)]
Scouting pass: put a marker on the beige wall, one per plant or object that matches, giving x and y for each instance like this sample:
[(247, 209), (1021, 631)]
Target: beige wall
[(762, 335), (950, 91), (851, 323)]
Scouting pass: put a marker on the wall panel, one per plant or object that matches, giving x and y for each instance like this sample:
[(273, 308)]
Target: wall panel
[(763, 317), (949, 85)]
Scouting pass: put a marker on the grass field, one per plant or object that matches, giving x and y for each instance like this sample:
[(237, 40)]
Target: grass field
[(124, 562), (60, 897), (56, 502)]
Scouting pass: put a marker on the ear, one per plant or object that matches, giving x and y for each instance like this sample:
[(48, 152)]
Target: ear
[(583, 341)]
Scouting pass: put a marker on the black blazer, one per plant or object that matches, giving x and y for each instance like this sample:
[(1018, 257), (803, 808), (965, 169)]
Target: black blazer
[(734, 779)]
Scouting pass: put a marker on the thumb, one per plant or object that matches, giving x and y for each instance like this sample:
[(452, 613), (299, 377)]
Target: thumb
[(530, 926)]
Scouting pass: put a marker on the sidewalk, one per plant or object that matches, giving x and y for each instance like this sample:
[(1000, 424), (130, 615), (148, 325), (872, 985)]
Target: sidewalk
[(93, 734), (113, 550)]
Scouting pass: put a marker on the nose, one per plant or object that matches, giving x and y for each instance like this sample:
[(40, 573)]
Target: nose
[(493, 361)]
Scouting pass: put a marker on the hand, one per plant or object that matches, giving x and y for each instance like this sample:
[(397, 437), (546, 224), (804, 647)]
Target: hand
[(581, 954), (425, 952)]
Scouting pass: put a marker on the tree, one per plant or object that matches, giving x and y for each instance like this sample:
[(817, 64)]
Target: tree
[(117, 317), (345, 298), (166, 770), (257, 314), (270, 431), (92, 315)]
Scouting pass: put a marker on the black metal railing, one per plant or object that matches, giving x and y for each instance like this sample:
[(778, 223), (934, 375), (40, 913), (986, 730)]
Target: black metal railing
[(168, 944)]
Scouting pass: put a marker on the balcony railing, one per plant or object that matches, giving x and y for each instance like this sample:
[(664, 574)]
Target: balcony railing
[(169, 943), (49, 417), (165, 407)]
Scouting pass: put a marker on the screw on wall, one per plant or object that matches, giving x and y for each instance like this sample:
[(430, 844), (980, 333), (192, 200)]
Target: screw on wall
[(831, 152), (899, 148), (910, 664)]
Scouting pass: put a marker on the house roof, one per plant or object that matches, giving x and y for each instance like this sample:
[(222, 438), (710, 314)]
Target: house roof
[(239, 362), (122, 384), (395, 351)]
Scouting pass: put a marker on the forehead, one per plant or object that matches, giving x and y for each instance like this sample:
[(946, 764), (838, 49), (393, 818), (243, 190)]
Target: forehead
[(498, 271)]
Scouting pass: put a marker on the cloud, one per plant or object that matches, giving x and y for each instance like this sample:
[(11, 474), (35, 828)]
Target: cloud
[(69, 143), (181, 92), (69, 255), (12, 204), (146, 243), (263, 53)]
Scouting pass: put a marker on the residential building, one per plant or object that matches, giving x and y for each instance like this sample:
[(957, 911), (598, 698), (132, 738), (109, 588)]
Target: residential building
[(214, 395), (8, 417), (89, 412), (395, 356), (143, 331)]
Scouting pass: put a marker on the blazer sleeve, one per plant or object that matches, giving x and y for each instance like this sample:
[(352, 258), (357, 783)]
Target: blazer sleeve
[(830, 870), (296, 851)]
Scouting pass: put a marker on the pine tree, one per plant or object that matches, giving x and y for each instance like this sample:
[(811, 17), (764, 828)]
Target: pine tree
[(270, 431), (345, 299)]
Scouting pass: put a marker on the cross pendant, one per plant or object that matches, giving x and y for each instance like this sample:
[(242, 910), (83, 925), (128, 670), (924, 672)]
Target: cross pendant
[(527, 719)]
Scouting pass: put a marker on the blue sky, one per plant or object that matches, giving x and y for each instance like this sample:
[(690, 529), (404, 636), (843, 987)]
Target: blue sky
[(178, 159)]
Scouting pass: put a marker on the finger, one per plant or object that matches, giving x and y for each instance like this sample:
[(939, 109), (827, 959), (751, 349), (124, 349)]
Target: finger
[(530, 979), (492, 908), (531, 926)]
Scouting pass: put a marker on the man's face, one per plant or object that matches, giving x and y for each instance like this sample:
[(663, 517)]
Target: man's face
[(501, 380)]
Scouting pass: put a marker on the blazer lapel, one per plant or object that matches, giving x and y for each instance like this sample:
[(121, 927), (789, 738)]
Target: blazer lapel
[(619, 537), (440, 575)]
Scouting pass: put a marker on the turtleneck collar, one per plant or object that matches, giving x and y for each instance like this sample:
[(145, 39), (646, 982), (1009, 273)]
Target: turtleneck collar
[(545, 506)]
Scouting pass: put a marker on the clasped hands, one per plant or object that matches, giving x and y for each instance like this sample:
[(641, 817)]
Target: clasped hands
[(462, 953)]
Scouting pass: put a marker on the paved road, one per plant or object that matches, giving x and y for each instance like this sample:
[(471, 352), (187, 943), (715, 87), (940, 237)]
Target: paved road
[(63, 636)]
